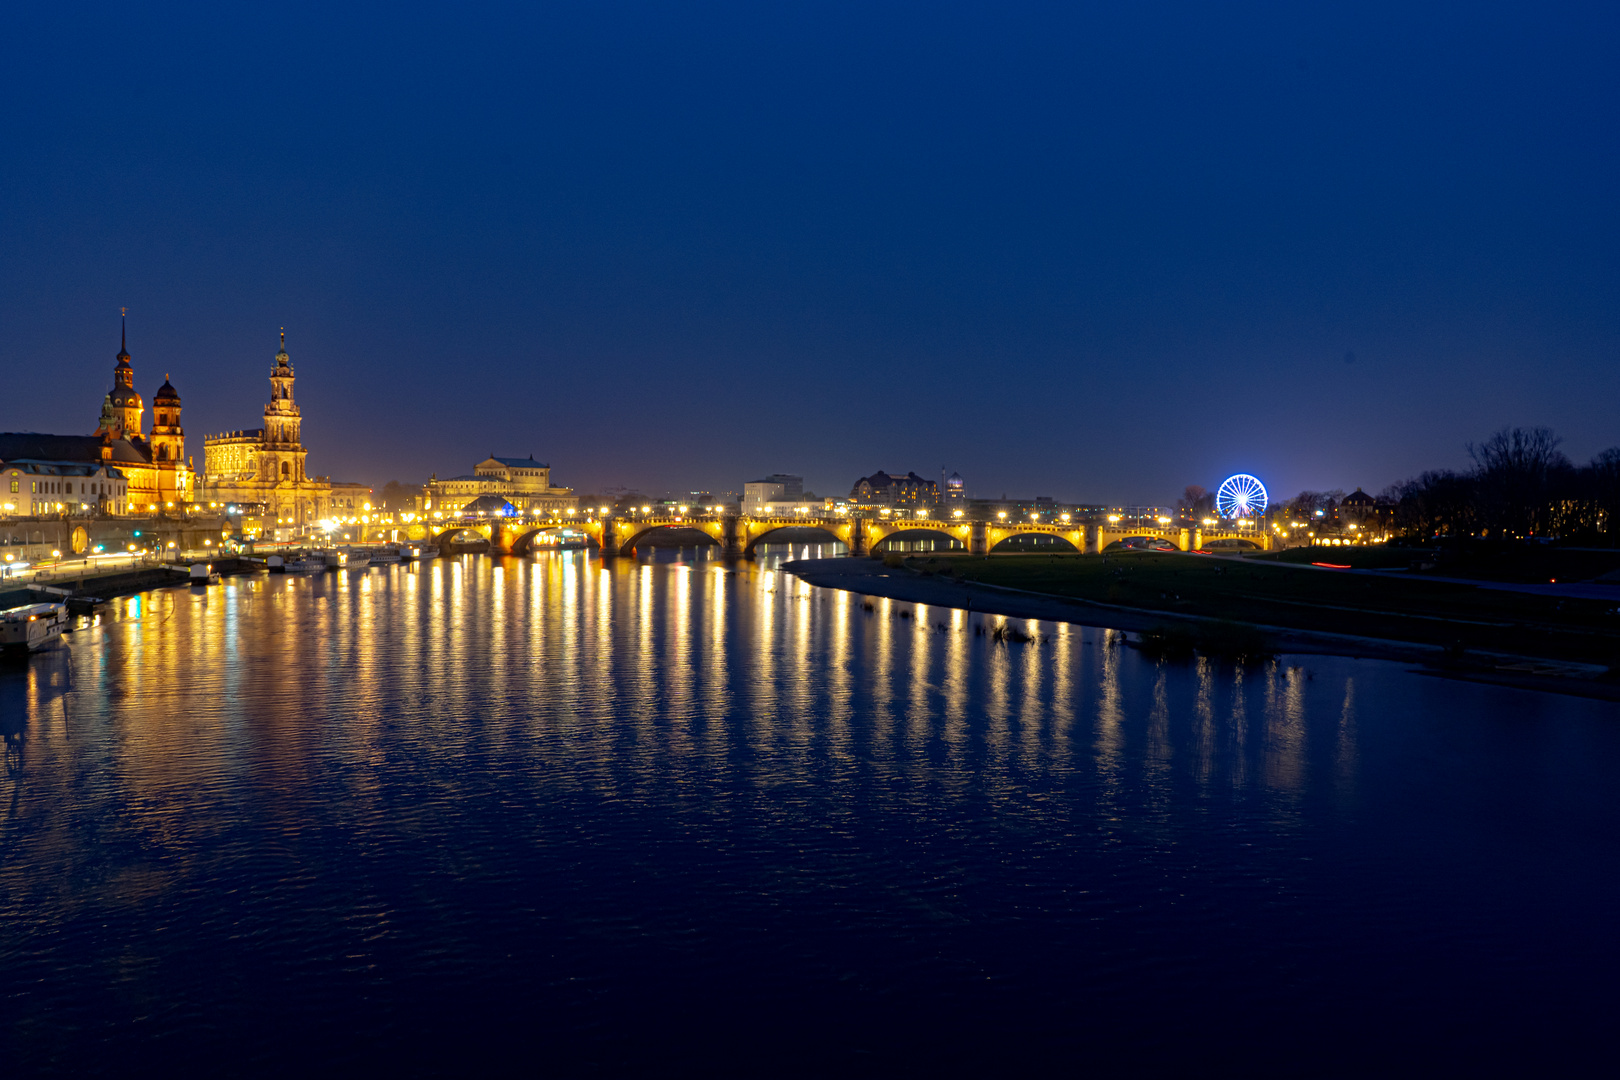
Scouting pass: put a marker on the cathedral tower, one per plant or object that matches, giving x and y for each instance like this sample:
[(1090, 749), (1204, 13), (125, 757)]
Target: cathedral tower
[(121, 410), (283, 457), (168, 437)]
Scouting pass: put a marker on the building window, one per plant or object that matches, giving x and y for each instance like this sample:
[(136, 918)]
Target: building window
[(284, 472)]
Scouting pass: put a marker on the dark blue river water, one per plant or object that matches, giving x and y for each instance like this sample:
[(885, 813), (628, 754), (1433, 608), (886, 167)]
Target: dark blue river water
[(698, 818)]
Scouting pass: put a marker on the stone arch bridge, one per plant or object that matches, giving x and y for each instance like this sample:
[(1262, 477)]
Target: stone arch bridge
[(739, 535)]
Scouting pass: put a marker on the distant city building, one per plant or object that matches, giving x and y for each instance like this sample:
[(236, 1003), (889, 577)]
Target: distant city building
[(260, 471), (955, 492), (523, 482), (792, 486), (151, 474), (777, 494), (908, 492), (1044, 507), (1365, 512), (1358, 503)]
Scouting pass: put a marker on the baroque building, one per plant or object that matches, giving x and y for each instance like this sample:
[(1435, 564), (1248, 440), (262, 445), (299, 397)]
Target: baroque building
[(259, 472), (523, 482), (116, 470), (158, 474)]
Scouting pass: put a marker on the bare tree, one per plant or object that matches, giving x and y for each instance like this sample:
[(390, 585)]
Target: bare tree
[(1437, 503), (1195, 500), (1307, 503), (1516, 470)]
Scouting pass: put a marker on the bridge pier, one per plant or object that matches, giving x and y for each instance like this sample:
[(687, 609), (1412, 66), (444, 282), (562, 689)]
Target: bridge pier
[(500, 537), (609, 543), (857, 536), (979, 539), (733, 545)]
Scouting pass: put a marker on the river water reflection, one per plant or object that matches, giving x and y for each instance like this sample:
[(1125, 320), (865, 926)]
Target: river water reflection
[(670, 811)]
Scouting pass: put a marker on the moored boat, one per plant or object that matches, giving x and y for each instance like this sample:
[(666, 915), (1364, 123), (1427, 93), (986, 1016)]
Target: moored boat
[(31, 627), (203, 574), (419, 551)]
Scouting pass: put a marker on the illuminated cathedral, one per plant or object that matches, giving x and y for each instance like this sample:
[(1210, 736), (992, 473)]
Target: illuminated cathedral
[(260, 471)]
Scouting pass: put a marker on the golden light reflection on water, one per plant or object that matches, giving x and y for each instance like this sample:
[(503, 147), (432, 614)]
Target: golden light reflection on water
[(624, 678)]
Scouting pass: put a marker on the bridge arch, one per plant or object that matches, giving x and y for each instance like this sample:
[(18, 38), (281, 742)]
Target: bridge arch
[(912, 535), (520, 541), (764, 537), (1036, 541), (635, 532), (445, 537), (1064, 537)]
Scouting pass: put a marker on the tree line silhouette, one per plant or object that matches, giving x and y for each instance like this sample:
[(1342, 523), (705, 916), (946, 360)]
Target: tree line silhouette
[(1521, 486)]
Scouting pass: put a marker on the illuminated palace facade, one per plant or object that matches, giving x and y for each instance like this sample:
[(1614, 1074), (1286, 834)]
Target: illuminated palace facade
[(261, 471)]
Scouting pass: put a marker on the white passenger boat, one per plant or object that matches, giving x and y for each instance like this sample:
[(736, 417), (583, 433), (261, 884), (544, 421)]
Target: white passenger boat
[(385, 555), (32, 627), (308, 563), (419, 551)]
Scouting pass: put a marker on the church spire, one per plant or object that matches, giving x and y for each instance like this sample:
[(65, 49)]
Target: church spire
[(123, 333)]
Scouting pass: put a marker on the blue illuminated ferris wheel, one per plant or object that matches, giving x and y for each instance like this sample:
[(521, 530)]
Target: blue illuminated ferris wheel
[(1241, 496)]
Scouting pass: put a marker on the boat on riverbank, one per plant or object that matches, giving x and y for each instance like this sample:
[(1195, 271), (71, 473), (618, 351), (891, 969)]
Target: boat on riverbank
[(307, 562), (411, 552), (32, 627)]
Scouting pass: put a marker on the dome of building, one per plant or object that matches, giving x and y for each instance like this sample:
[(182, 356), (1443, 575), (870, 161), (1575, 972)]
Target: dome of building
[(955, 480), (124, 397), (166, 393)]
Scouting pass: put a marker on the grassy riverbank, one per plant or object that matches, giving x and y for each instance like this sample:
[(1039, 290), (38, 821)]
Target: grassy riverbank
[(1455, 616)]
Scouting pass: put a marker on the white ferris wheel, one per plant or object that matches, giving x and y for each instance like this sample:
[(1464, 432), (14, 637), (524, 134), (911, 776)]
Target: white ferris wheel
[(1241, 496)]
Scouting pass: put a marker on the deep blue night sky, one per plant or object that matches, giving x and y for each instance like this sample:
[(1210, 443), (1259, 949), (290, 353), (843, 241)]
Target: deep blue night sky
[(1091, 251)]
